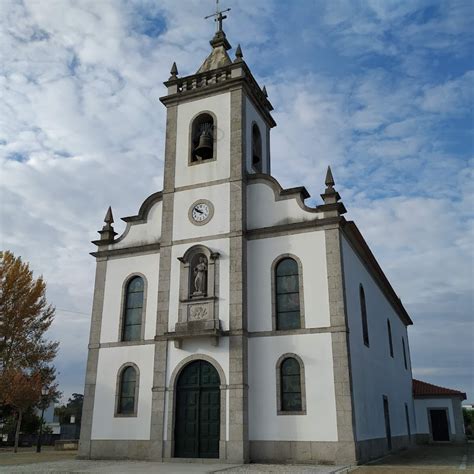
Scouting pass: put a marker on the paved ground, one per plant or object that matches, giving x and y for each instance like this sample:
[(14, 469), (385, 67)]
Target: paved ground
[(50, 461), (432, 459), (423, 460)]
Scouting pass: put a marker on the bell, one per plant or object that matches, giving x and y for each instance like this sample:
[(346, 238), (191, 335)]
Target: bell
[(205, 147)]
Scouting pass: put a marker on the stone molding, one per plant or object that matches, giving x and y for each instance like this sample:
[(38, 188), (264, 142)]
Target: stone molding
[(145, 208), (158, 402), (120, 371), (275, 262), (127, 251), (290, 355), (299, 193), (345, 417), (92, 360)]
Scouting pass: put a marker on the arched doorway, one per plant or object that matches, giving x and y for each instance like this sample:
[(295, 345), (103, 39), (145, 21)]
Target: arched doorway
[(197, 412)]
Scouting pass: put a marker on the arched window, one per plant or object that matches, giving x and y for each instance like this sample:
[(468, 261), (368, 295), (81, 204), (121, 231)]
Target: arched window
[(256, 148), (291, 398), (363, 313), (203, 138), (127, 395), (287, 294), (390, 342), (133, 310)]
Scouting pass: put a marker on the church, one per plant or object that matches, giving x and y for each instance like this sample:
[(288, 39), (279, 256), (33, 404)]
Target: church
[(231, 320)]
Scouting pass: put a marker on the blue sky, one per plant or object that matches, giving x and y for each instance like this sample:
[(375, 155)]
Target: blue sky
[(381, 90)]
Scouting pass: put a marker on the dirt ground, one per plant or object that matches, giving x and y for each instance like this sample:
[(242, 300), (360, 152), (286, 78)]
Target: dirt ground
[(30, 456)]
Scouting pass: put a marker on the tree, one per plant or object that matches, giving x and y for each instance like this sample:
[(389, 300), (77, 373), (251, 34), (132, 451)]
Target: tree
[(25, 353), (72, 408)]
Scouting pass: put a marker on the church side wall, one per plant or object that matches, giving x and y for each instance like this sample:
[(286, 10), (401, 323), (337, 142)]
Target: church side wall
[(119, 270), (375, 373)]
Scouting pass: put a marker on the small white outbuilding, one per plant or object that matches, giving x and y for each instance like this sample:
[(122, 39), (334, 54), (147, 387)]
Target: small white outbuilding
[(438, 413)]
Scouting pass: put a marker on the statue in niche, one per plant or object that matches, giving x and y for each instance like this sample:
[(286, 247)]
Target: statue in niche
[(200, 277)]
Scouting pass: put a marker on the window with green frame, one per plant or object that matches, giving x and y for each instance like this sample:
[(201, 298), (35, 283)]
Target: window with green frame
[(287, 294), (290, 373), (127, 391), (132, 318)]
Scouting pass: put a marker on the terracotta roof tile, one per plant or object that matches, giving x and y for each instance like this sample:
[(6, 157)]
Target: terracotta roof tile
[(424, 389)]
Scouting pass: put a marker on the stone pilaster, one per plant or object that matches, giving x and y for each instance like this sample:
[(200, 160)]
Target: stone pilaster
[(237, 445), (92, 359), (346, 448), (160, 359)]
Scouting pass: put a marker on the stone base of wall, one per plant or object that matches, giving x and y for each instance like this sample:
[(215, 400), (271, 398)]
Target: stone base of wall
[(425, 438), (302, 452), (121, 449), (376, 448)]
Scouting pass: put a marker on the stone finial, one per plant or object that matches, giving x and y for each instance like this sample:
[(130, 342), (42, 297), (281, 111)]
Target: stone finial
[(264, 90), (329, 182), (109, 217), (331, 207), (238, 55), (173, 72), (107, 233)]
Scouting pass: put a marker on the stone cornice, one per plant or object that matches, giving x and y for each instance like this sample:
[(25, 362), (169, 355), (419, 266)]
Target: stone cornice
[(127, 251), (145, 208)]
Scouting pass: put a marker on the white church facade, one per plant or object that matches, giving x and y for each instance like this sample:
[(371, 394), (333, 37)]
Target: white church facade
[(231, 320)]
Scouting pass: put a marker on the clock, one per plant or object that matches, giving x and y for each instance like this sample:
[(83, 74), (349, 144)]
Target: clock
[(201, 212)]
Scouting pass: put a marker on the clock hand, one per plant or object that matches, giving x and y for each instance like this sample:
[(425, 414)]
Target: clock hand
[(196, 209)]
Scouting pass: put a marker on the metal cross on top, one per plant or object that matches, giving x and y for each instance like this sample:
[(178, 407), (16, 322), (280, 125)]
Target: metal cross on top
[(218, 16)]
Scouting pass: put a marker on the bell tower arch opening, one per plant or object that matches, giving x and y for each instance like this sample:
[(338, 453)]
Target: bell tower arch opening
[(203, 138)]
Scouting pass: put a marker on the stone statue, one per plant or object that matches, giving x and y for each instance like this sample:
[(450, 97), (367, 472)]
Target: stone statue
[(200, 273)]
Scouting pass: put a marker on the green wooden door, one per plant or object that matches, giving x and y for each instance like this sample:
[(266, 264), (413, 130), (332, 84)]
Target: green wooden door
[(197, 416)]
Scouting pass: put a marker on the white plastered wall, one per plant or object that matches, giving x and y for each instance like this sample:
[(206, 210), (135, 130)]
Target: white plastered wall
[(310, 248), (374, 372), (251, 116), (186, 175), (104, 424), (421, 411), (217, 245), (118, 271), (264, 209), (142, 233), (218, 195), (195, 347), (319, 424)]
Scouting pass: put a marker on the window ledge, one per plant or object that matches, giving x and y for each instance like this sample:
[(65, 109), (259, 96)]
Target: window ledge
[(280, 412)]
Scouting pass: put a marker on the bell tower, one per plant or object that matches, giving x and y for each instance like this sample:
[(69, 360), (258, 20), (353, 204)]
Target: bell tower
[(217, 133)]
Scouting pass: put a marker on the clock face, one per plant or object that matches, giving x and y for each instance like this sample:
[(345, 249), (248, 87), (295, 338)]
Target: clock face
[(201, 212)]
